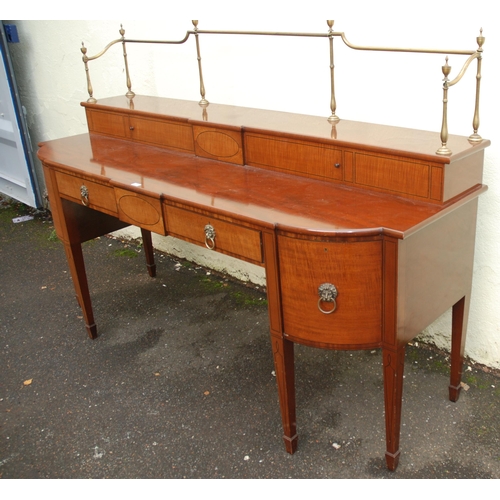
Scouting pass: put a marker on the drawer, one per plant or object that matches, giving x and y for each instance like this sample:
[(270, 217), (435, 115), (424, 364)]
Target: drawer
[(394, 175), (90, 194), (163, 133), (140, 210), (224, 237), (293, 156), (224, 144), (354, 269), (171, 134), (113, 124)]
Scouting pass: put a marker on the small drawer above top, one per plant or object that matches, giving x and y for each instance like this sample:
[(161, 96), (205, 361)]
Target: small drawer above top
[(162, 132), (107, 123), (218, 143), (290, 155)]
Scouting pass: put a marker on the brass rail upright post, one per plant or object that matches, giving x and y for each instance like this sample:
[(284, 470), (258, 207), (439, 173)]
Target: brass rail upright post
[(444, 150), (129, 93), (85, 60), (333, 118), (204, 103), (475, 137)]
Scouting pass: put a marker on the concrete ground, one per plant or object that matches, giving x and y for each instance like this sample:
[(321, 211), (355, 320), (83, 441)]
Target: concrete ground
[(180, 384)]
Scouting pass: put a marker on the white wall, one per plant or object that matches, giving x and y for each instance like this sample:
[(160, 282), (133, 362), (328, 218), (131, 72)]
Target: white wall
[(290, 74)]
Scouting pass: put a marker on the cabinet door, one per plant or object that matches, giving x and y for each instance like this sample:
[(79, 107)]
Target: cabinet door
[(351, 274)]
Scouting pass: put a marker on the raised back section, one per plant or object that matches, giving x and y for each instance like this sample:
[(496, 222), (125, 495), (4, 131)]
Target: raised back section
[(394, 160)]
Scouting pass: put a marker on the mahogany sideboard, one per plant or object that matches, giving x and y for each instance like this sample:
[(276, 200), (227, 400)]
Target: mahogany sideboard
[(365, 233)]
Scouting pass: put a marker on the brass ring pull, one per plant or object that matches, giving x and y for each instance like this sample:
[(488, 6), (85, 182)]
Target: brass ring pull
[(84, 193), (209, 237), (327, 293)]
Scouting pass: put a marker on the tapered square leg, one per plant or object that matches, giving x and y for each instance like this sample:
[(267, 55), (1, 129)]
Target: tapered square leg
[(393, 362), (285, 376), (147, 243), (76, 264), (458, 334)]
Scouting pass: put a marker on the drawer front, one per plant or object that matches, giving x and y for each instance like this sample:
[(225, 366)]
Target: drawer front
[(393, 175), (296, 157), (224, 237), (219, 144), (88, 193), (112, 124), (164, 133), (140, 210), (354, 269)]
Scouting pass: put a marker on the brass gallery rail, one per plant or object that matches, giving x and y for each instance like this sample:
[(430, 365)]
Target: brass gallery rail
[(333, 118)]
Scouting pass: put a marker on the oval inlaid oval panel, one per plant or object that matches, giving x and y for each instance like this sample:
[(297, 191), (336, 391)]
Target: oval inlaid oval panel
[(217, 144), (139, 210)]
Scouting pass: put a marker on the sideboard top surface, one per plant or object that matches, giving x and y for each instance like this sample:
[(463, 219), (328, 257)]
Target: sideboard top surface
[(250, 193)]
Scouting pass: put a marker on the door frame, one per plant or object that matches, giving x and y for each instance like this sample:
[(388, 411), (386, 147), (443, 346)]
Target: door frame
[(21, 122)]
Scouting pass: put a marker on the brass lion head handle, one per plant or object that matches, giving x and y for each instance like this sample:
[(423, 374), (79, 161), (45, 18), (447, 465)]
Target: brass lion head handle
[(209, 237), (327, 293), (84, 194)]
